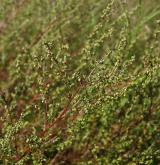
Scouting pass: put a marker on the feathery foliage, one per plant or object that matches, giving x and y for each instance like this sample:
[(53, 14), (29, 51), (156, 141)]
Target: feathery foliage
[(80, 82)]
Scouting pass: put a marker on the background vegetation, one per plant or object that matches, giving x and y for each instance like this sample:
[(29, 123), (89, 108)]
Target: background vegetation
[(80, 82)]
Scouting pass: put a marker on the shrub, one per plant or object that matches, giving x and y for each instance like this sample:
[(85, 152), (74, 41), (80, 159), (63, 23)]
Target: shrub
[(80, 82)]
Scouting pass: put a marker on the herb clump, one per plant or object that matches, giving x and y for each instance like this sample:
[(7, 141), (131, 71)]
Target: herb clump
[(80, 82)]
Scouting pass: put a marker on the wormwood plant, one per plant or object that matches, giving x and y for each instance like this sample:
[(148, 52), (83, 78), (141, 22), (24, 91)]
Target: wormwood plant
[(80, 82)]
